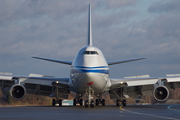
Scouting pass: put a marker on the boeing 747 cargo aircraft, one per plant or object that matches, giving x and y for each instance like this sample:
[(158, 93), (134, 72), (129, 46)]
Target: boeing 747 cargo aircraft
[(89, 75)]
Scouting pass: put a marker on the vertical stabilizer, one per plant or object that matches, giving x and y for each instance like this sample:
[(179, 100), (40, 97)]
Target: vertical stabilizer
[(89, 39)]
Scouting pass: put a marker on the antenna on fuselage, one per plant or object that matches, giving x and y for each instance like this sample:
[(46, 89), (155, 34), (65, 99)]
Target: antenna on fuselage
[(89, 39)]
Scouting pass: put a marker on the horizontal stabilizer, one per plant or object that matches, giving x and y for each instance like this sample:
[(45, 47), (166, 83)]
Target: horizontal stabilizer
[(52, 60), (124, 61)]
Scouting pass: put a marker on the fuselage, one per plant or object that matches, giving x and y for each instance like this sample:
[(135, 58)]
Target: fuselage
[(89, 69)]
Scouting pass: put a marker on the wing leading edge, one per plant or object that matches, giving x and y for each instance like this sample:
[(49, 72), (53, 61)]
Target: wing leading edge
[(130, 82), (62, 82), (52, 60), (124, 61)]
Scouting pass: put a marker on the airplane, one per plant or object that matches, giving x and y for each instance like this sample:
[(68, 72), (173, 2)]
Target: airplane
[(89, 75)]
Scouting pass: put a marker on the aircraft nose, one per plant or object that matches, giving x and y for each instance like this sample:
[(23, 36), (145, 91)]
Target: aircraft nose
[(89, 78)]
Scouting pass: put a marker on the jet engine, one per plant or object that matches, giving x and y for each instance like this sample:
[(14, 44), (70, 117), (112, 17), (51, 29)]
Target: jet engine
[(161, 93), (17, 91)]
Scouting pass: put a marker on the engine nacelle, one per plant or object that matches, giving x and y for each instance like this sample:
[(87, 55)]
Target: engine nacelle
[(17, 91), (161, 93)]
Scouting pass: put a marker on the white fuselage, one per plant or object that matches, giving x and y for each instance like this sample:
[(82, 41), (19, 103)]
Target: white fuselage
[(89, 70)]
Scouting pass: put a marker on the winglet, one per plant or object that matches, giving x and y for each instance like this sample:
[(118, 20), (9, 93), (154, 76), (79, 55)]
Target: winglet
[(89, 39)]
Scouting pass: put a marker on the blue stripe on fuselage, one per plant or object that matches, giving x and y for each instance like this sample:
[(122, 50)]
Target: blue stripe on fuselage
[(94, 71), (90, 67), (100, 69)]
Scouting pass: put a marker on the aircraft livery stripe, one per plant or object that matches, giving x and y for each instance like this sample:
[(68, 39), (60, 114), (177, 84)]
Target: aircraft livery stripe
[(91, 67), (94, 71)]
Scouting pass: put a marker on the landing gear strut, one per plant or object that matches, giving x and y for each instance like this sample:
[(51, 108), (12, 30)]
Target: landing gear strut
[(122, 100), (57, 100)]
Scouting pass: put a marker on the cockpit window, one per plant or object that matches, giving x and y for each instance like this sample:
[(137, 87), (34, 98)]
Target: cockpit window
[(94, 52), (91, 52)]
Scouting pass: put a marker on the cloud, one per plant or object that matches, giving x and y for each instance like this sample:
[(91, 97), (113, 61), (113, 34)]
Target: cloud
[(58, 30), (111, 20), (165, 6), (120, 3), (170, 67), (44, 27)]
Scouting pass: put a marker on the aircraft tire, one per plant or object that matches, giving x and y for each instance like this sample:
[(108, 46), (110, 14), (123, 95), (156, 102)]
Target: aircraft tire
[(124, 102), (97, 102), (74, 102), (81, 102), (53, 102), (92, 103), (86, 103), (103, 102), (60, 102), (117, 102)]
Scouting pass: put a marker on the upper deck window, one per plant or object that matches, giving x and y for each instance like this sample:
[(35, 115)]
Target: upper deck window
[(91, 52)]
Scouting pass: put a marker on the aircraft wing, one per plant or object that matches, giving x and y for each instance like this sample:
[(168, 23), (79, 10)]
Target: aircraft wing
[(52, 60), (130, 82), (133, 87), (46, 86), (123, 61)]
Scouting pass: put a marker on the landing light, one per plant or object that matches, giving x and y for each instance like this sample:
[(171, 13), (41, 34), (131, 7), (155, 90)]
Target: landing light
[(57, 81)]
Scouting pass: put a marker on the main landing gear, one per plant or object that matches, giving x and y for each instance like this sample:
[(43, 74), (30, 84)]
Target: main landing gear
[(122, 101), (58, 101), (121, 98), (100, 101), (80, 101)]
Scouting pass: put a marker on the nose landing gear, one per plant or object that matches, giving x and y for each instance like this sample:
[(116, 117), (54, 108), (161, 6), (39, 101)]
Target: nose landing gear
[(87, 103), (90, 102)]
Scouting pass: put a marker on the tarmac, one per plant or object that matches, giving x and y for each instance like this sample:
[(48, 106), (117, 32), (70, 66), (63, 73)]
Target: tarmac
[(130, 112)]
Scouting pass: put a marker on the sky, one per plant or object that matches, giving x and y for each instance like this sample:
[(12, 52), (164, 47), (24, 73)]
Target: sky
[(122, 29)]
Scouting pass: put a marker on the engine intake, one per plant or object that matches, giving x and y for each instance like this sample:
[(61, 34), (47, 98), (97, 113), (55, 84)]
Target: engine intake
[(17, 91), (161, 93)]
